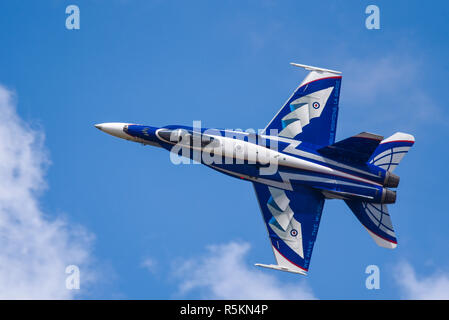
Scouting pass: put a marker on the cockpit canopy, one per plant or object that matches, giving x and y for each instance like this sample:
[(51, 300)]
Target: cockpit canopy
[(188, 138)]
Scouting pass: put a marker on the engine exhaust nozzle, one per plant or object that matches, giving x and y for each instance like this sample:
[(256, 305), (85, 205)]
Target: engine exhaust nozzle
[(391, 180), (388, 196)]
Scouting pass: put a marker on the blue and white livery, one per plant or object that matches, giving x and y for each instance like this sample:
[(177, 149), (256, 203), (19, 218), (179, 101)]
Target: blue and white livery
[(295, 164)]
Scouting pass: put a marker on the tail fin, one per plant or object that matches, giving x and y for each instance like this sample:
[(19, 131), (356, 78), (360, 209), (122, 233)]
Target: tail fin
[(376, 219), (391, 150), (374, 216)]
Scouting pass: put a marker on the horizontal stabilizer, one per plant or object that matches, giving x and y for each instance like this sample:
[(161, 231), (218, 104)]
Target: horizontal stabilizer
[(358, 148), (280, 268)]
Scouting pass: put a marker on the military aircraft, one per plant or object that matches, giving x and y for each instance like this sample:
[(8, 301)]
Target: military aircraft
[(295, 165)]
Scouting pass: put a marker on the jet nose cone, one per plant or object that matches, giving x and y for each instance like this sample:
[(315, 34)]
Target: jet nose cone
[(114, 128)]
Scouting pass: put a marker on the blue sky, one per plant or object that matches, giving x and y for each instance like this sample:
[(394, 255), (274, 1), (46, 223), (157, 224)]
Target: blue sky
[(143, 228)]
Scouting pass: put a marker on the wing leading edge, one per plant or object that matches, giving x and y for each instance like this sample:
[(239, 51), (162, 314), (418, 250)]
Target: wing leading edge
[(292, 220)]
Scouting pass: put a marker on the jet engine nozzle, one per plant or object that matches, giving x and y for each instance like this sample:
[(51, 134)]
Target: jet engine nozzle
[(388, 196), (391, 180)]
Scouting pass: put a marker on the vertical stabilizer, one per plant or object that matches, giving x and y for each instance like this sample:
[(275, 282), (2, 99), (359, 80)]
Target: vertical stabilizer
[(391, 151)]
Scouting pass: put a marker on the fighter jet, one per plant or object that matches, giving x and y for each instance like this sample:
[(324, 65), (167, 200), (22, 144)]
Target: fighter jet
[(294, 165)]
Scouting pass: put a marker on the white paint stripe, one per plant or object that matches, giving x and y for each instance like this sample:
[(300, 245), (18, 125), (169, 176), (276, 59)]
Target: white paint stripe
[(293, 144), (302, 177)]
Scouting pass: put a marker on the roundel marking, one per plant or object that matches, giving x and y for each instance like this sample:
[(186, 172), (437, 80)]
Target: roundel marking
[(294, 232), (316, 105)]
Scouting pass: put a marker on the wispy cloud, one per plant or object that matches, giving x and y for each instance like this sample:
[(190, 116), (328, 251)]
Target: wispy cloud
[(223, 273), (430, 287), (149, 264), (367, 79), (34, 250), (389, 91)]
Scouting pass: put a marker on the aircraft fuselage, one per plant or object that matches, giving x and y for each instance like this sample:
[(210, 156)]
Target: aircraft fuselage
[(271, 160)]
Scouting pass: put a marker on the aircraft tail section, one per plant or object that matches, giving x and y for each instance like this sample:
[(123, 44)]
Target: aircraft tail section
[(391, 150), (376, 219), (356, 149)]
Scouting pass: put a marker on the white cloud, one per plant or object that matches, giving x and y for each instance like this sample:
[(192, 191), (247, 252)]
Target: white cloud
[(367, 79), (222, 273), (34, 250), (431, 287), (149, 264), (389, 92)]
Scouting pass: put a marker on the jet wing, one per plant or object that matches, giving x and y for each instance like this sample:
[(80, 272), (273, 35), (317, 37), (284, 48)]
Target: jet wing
[(292, 220), (310, 114)]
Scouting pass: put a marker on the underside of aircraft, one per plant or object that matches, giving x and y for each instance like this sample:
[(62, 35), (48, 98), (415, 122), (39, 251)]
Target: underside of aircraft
[(310, 166)]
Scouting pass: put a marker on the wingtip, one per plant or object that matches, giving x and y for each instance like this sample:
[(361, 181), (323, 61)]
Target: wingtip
[(312, 68), (280, 268)]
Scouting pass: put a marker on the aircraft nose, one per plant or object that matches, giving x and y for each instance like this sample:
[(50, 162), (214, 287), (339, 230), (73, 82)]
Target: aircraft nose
[(114, 129)]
